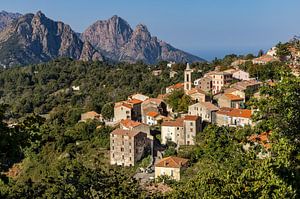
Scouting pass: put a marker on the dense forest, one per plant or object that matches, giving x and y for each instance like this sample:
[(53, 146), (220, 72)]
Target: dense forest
[(57, 157)]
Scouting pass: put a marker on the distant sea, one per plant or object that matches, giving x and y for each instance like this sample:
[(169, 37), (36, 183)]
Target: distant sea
[(211, 54)]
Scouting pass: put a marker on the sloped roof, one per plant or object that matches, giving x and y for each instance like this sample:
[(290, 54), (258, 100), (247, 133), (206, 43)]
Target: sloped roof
[(130, 133), (91, 114), (152, 114), (176, 86), (134, 101), (235, 112), (129, 123), (233, 97), (175, 123), (172, 162), (194, 91), (191, 117), (262, 139)]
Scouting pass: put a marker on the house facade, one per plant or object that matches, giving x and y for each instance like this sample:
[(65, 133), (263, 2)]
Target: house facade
[(181, 131), (91, 115), (192, 126), (127, 147), (205, 110), (130, 109), (170, 166), (219, 80), (230, 101), (233, 117)]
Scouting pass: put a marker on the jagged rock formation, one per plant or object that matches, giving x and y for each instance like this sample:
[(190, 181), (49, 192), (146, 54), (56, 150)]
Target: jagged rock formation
[(36, 38), (116, 40), (7, 18)]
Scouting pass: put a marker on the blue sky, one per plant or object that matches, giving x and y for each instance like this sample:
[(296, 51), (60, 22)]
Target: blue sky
[(207, 28)]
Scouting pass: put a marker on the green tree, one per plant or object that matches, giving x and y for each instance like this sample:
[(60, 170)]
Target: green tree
[(108, 111)]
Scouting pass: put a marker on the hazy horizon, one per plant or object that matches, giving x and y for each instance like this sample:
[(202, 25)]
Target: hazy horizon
[(205, 28)]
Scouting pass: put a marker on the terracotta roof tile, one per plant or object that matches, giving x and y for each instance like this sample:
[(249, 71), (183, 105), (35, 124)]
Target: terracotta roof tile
[(134, 101), (234, 112), (177, 123), (172, 162), (233, 97), (176, 86), (191, 117), (262, 139), (152, 114), (129, 133), (129, 123)]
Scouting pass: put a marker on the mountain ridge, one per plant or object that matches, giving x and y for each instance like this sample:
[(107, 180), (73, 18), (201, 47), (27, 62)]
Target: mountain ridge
[(35, 38)]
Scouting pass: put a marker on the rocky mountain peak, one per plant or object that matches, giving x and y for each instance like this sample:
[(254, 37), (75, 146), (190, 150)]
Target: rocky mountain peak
[(36, 38), (6, 18), (141, 32)]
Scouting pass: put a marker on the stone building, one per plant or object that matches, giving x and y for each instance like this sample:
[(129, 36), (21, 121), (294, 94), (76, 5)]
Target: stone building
[(127, 147), (170, 166)]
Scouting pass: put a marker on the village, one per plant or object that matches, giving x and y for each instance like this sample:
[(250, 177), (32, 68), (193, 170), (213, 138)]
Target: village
[(146, 126)]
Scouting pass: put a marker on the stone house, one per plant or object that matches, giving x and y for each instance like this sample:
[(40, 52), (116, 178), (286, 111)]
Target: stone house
[(192, 126), (130, 109), (235, 92), (170, 166), (173, 131), (178, 86), (138, 96), (238, 74), (134, 126), (198, 95), (233, 117), (204, 83), (127, 147), (91, 115), (219, 80), (231, 101), (264, 59), (152, 118), (205, 110), (249, 86), (181, 131), (153, 105)]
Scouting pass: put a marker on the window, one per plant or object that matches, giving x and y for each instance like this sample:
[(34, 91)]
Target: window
[(172, 173), (122, 149), (127, 112), (191, 129), (113, 141), (177, 128), (122, 157), (130, 158), (113, 148), (129, 150), (113, 155), (191, 123)]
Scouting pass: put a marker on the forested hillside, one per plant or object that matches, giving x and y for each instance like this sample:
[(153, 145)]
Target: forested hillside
[(58, 157)]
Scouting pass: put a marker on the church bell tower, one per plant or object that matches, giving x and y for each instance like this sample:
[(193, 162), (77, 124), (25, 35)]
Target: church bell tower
[(188, 78)]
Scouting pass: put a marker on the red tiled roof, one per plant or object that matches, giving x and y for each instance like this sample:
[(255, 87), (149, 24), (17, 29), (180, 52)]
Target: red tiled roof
[(152, 114), (176, 123), (125, 104), (233, 97), (129, 123), (262, 139), (176, 86), (134, 101), (234, 112), (172, 162), (194, 91), (129, 133), (153, 100), (191, 117)]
